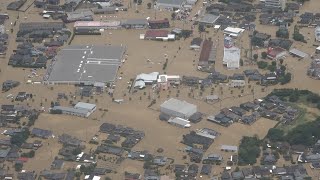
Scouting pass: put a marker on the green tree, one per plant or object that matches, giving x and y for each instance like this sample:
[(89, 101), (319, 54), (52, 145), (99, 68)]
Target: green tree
[(264, 55), (149, 5), (255, 57), (285, 79), (173, 16), (275, 134), (201, 28), (19, 138), (262, 64), (18, 167), (272, 68), (249, 150), (139, 2)]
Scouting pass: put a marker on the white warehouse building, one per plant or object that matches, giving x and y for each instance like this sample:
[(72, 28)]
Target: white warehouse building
[(176, 108)]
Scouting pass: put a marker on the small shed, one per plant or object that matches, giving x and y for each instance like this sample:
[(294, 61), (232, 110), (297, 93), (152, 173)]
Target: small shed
[(298, 53), (229, 148)]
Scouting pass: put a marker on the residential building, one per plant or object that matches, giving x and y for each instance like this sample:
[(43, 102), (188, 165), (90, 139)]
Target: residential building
[(276, 4), (196, 43), (317, 33), (237, 83), (276, 53), (159, 24), (135, 24)]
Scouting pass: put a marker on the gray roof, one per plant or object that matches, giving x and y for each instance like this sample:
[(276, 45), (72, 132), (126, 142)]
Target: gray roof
[(178, 106), (135, 22), (4, 152), (41, 133), (208, 19), (299, 53), (229, 148), (86, 64), (70, 109), (172, 2), (85, 106)]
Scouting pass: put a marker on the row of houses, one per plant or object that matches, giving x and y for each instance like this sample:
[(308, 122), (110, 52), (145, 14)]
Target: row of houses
[(3, 34), (267, 171), (271, 108)]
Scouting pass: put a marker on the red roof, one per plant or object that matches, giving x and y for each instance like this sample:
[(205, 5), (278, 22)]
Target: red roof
[(273, 52), (23, 159), (156, 33), (158, 21), (205, 51)]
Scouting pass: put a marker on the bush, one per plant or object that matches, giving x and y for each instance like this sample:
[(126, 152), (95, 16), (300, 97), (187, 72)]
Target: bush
[(306, 134), (264, 55), (28, 154), (19, 138), (18, 167), (272, 68), (285, 79), (262, 64)]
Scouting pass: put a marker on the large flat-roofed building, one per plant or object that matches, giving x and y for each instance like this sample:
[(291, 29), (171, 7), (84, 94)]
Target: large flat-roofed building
[(81, 109), (208, 53), (85, 64), (176, 108), (231, 57)]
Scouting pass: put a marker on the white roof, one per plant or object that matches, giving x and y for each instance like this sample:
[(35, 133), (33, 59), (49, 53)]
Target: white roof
[(46, 15), (164, 78), (180, 121), (234, 30), (94, 177), (171, 36), (318, 48), (140, 84), (227, 147), (231, 57), (217, 26), (148, 77), (86, 106), (298, 53)]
